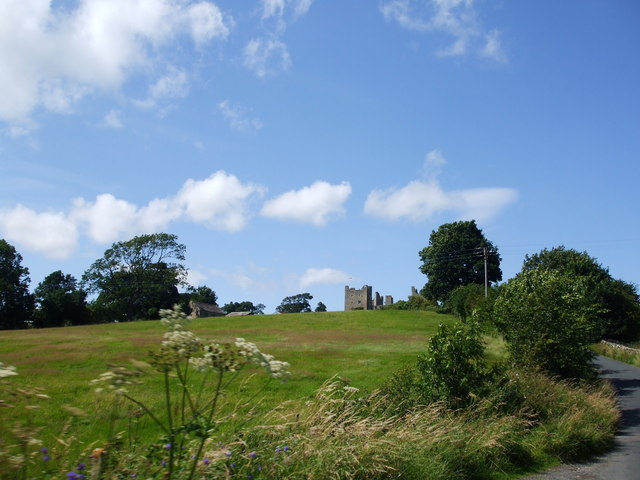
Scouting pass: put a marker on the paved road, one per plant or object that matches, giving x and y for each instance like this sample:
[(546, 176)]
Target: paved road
[(623, 462)]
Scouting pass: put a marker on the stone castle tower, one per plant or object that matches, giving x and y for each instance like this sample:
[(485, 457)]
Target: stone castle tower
[(362, 299)]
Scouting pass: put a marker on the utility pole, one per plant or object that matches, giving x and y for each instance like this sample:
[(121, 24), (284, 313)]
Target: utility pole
[(486, 278)]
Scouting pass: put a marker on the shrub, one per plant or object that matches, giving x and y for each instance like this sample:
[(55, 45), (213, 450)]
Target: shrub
[(548, 323)]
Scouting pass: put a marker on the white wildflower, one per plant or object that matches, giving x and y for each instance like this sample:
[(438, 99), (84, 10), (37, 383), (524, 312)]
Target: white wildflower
[(7, 370)]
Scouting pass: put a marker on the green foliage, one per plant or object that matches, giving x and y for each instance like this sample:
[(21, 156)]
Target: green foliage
[(321, 307), (202, 293), (16, 303), (137, 277), (465, 299), (414, 302), (549, 322), (295, 304), (245, 306), (60, 302), (454, 258), (619, 301), (454, 368)]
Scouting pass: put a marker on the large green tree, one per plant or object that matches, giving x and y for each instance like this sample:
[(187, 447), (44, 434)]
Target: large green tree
[(136, 278), (16, 303), (295, 304), (619, 316), (455, 257), (60, 302)]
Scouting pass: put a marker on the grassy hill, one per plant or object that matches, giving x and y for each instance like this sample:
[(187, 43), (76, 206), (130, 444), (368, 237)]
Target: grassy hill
[(364, 347)]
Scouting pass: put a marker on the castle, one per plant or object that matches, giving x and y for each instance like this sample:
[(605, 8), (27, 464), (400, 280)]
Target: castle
[(361, 299)]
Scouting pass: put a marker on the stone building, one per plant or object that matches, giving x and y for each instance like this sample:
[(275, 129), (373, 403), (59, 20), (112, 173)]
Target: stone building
[(202, 309), (362, 299)]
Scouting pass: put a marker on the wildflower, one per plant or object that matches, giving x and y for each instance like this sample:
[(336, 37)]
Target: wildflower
[(44, 450), (253, 455), (117, 378), (46, 458), (228, 453), (167, 446), (81, 466), (7, 370), (286, 448), (206, 461)]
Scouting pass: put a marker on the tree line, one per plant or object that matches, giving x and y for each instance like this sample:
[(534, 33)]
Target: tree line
[(550, 313), (133, 280)]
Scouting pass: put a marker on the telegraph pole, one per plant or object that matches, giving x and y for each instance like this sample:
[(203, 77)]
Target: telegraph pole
[(486, 278)]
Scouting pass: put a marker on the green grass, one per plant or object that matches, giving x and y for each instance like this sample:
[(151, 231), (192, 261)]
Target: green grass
[(331, 435), (363, 347)]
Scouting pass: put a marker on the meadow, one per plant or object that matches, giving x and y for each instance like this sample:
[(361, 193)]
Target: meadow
[(322, 413)]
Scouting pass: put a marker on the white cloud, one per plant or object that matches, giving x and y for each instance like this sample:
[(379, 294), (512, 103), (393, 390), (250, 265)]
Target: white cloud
[(218, 202), (53, 56), (493, 48), (107, 219), (266, 56), (112, 119), (53, 234), (323, 276), (454, 18), (195, 277), (315, 204), (422, 199), (173, 85), (239, 118), (419, 201)]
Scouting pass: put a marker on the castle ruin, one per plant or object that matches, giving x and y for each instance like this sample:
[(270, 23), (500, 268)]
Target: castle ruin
[(362, 299)]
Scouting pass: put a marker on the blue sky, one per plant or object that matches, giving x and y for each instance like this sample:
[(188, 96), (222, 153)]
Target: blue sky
[(300, 146)]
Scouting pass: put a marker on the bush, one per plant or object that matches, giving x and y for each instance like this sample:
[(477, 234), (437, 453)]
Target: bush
[(548, 323), (453, 370)]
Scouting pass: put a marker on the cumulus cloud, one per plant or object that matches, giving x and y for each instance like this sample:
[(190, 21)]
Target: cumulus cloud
[(323, 276), (421, 200), (239, 119), (53, 234), (457, 19), (219, 202), (54, 56), (315, 204)]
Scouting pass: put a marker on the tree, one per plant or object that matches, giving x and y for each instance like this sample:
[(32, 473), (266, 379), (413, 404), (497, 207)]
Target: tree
[(619, 316), (455, 257), (245, 306), (549, 322), (295, 304), (202, 294), (60, 302), (136, 278), (16, 303), (321, 307)]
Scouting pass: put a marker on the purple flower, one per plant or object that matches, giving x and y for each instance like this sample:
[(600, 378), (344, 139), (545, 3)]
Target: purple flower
[(286, 448), (163, 463), (81, 466), (44, 450), (228, 454), (206, 461), (167, 446), (72, 475), (278, 449), (253, 454), (46, 458), (233, 465)]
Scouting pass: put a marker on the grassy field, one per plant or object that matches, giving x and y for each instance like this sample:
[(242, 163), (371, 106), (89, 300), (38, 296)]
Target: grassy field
[(363, 347), (331, 434)]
